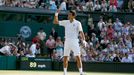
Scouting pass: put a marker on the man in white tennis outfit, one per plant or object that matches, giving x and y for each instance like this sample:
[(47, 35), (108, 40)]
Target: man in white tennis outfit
[(73, 30)]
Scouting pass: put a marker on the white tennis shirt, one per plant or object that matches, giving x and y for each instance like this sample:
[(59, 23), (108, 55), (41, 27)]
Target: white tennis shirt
[(6, 50), (72, 29)]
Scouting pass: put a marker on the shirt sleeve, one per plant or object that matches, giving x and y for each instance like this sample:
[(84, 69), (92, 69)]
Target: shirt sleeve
[(63, 22), (80, 27)]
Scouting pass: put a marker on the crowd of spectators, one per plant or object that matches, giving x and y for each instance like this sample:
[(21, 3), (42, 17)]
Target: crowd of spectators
[(79, 5), (108, 41)]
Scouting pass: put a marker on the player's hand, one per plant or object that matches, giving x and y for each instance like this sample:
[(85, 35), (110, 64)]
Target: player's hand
[(57, 12)]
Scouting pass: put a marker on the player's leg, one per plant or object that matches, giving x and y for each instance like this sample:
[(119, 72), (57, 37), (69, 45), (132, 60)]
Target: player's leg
[(76, 50), (65, 64), (66, 55), (79, 64)]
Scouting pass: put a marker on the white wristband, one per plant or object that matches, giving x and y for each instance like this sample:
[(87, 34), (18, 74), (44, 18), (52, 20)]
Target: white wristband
[(56, 14)]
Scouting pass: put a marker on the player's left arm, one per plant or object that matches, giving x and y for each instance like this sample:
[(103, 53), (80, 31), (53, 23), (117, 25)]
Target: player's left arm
[(81, 33), (82, 36)]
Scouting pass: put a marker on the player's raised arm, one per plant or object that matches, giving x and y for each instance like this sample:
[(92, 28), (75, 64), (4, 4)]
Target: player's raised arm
[(56, 20)]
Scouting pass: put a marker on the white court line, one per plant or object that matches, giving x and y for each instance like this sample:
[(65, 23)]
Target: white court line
[(7, 72)]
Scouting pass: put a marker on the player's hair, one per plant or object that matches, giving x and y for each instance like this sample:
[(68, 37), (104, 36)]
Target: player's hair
[(73, 12)]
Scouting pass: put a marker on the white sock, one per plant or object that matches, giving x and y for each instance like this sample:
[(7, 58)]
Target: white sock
[(65, 71), (80, 70)]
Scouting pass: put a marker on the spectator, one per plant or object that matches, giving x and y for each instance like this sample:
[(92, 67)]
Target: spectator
[(112, 8), (15, 3), (15, 53), (70, 4), (117, 26), (112, 55), (94, 39), (27, 48), (21, 47), (2, 2), (33, 4), (83, 50), (131, 6), (110, 32), (120, 4), (104, 42), (117, 58), (127, 59), (131, 54), (109, 22), (30, 54), (54, 34), (87, 38), (89, 5), (131, 30), (52, 5), (91, 30), (8, 49), (107, 58), (104, 6), (50, 44), (125, 5), (21, 54), (33, 49), (113, 3), (97, 47), (9, 3), (40, 2), (59, 47), (63, 5), (101, 24), (42, 36), (102, 35), (79, 7), (109, 48), (42, 5), (104, 28), (83, 5), (97, 6), (128, 42), (125, 29), (123, 48), (101, 58), (36, 39), (92, 54)]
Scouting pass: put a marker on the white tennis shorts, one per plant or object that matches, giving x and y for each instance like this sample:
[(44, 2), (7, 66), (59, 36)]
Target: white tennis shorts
[(71, 45)]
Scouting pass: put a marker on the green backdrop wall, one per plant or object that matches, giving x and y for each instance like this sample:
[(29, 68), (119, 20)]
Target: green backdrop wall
[(11, 23)]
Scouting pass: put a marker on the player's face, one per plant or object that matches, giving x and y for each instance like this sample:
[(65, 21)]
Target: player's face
[(70, 16)]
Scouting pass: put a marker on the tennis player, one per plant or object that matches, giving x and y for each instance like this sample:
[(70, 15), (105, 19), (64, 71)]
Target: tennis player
[(73, 30)]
